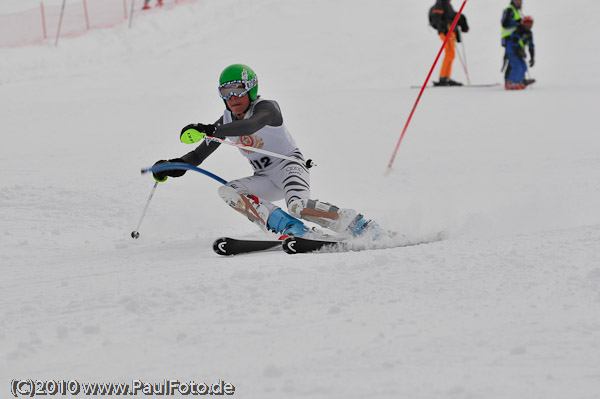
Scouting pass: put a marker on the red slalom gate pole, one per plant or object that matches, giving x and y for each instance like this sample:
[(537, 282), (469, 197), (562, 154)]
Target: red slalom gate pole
[(43, 19), (448, 36), (87, 17)]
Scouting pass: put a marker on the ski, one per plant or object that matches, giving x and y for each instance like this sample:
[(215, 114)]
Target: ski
[(298, 245), (227, 246), (465, 86)]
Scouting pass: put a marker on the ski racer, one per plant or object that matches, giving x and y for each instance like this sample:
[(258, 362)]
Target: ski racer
[(520, 38), (253, 121), (441, 16)]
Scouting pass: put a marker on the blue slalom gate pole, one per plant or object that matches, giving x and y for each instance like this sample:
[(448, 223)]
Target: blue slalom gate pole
[(172, 166)]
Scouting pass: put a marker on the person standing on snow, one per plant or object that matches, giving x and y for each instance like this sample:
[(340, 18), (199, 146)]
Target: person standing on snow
[(159, 3), (441, 16), (520, 38), (511, 18), (256, 122)]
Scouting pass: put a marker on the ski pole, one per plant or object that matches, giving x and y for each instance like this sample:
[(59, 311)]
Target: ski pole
[(135, 233), (131, 13), (192, 136), (309, 163), (178, 165), (389, 167), (463, 61), (465, 56), (60, 19)]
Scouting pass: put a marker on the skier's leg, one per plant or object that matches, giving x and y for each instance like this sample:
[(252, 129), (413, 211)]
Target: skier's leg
[(522, 69), (516, 73), (293, 180), (340, 220), (446, 69), (247, 205), (250, 196), (506, 67)]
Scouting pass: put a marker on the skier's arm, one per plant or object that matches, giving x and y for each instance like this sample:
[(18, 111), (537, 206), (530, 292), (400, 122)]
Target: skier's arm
[(531, 51), (507, 18), (266, 113), (531, 45), (203, 151), (438, 21), (197, 156), (462, 23)]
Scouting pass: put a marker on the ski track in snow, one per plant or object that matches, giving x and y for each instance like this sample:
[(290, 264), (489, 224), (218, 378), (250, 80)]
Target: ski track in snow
[(507, 306)]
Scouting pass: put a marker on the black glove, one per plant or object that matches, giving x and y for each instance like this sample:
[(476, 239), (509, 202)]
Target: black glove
[(162, 176), (462, 23), (208, 129), (531, 61)]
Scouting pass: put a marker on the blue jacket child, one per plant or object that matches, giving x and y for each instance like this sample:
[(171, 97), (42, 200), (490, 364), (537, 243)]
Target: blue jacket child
[(520, 38)]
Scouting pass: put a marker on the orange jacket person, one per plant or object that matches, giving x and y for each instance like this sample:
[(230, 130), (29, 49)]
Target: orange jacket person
[(441, 16)]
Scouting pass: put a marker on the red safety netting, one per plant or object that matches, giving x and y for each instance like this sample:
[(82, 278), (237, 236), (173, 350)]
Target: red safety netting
[(36, 25), (21, 28)]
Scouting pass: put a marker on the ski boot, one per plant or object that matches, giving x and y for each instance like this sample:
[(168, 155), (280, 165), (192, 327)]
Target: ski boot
[(342, 221), (258, 213), (452, 82), (514, 86), (322, 213), (447, 82), (362, 227), (282, 223)]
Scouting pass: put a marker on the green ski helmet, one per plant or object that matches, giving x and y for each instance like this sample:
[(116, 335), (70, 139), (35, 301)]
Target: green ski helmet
[(238, 73)]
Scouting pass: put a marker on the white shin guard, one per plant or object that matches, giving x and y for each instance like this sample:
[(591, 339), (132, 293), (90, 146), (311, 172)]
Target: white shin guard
[(322, 213), (257, 213)]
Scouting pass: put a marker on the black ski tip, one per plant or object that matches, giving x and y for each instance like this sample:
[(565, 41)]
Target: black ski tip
[(220, 246), (300, 245), (289, 245), (231, 246)]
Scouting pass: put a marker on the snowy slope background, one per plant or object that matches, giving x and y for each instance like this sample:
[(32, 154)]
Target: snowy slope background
[(507, 307)]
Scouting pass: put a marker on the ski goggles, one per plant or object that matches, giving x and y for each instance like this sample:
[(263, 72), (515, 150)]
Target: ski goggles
[(238, 88)]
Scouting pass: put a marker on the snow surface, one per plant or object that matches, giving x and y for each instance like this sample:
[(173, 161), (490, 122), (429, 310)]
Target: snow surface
[(507, 307)]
